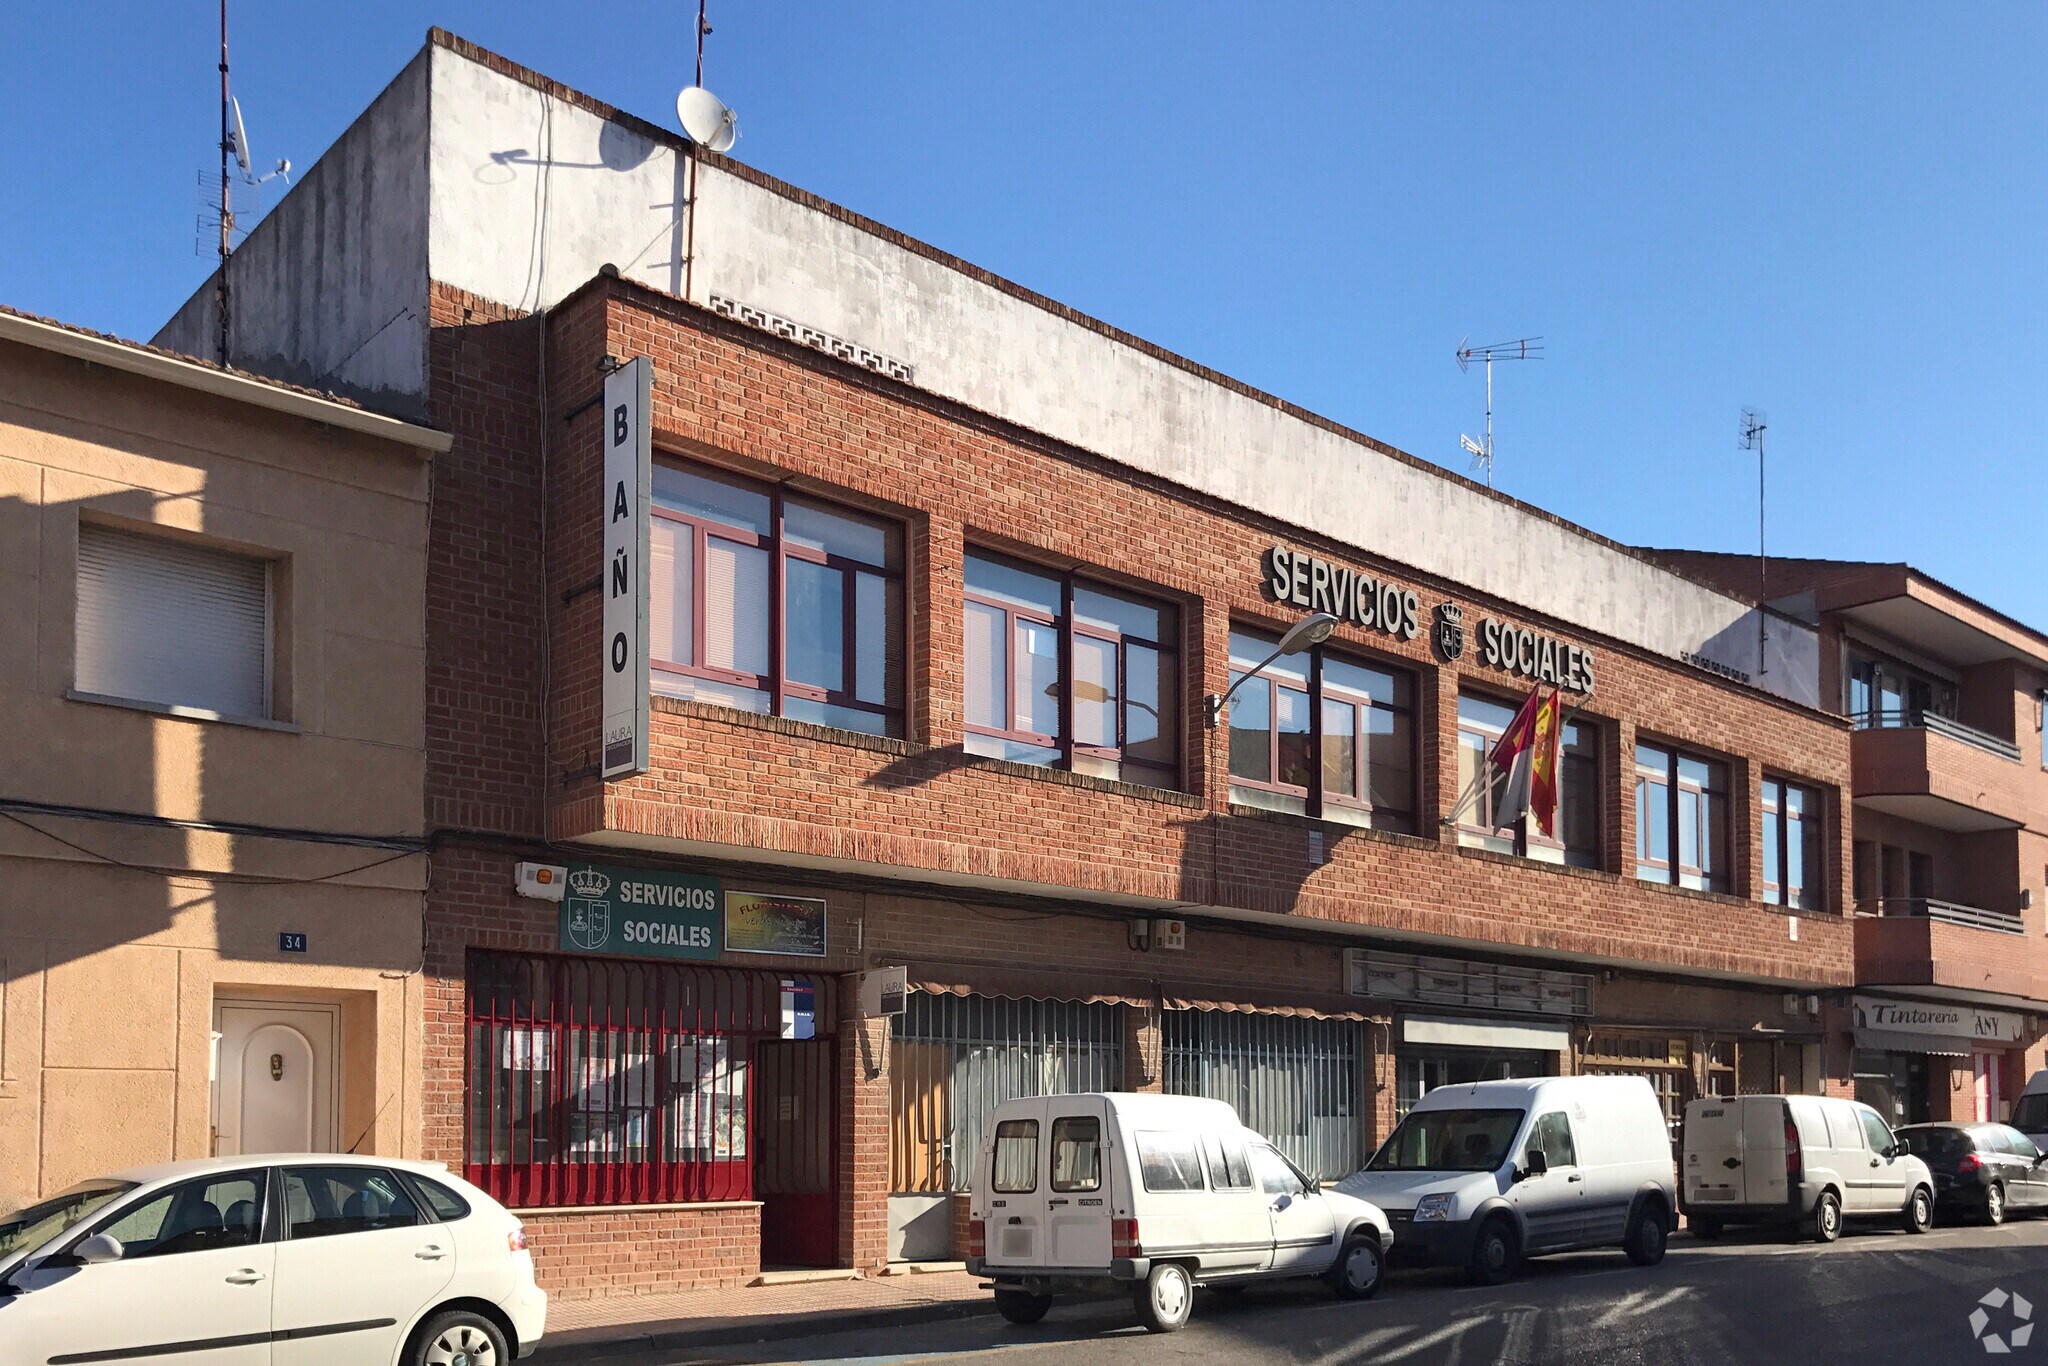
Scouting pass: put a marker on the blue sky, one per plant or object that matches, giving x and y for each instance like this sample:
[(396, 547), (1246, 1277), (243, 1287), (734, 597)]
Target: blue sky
[(1836, 214)]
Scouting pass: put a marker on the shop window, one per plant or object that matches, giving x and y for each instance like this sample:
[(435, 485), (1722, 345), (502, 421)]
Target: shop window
[(775, 603), (600, 1081), (169, 622), (1663, 1061), (1072, 674), (1682, 819), (1323, 735), (1481, 723), (1792, 828)]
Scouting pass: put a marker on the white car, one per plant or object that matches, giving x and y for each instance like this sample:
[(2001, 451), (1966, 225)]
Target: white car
[(271, 1260)]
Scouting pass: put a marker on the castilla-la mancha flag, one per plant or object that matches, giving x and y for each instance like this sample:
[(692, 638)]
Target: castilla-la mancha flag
[(1527, 752)]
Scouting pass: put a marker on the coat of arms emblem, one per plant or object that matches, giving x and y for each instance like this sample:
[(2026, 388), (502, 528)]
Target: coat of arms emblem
[(1449, 631), (588, 919)]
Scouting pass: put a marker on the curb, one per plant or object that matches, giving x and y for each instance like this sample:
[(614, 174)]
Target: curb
[(565, 1349)]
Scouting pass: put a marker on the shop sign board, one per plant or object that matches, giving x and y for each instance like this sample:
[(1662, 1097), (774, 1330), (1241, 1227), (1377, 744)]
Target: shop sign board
[(641, 913), (1930, 1017), (628, 490), (756, 922), (1421, 980)]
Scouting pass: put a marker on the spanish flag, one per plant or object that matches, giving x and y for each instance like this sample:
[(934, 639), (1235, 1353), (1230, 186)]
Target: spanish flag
[(1527, 752)]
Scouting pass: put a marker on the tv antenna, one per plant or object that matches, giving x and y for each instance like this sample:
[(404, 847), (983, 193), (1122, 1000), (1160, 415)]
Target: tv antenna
[(234, 156), (1753, 425), (1523, 348), (708, 123)]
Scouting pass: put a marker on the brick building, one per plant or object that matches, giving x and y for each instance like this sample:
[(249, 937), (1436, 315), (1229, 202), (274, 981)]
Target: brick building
[(939, 577), (1949, 785)]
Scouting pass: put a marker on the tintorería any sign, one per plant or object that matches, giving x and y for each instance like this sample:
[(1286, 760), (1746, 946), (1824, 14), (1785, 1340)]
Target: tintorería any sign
[(1314, 584), (1931, 1017), (628, 487), (641, 912)]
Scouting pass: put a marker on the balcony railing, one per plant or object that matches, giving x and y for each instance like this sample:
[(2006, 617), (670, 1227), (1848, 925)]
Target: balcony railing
[(1948, 912), (1919, 718)]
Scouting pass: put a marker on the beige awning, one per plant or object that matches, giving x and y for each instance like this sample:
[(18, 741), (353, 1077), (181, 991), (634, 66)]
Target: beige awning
[(1024, 984)]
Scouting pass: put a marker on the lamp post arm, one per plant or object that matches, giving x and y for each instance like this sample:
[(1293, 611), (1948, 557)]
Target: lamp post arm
[(1217, 702)]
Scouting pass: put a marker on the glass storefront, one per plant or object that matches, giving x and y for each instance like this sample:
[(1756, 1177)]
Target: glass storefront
[(1894, 1085)]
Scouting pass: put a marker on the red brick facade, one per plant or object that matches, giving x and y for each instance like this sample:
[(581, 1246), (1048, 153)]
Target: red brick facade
[(979, 872)]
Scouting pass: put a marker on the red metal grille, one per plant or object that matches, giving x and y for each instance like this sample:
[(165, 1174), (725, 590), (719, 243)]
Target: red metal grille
[(595, 1081)]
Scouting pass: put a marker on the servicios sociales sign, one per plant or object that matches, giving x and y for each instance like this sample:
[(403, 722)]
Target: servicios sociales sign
[(642, 913)]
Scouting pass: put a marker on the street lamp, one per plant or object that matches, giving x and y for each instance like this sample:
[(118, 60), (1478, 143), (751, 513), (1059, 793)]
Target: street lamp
[(1312, 629)]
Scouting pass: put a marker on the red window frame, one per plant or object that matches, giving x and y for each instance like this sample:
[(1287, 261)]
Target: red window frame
[(776, 682), (1710, 838), (1776, 873), (1066, 630), (1475, 821), (672, 1016), (1313, 796)]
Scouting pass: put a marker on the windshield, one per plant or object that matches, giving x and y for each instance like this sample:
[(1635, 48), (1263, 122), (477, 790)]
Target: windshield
[(1449, 1141), (2031, 1114), (34, 1225)]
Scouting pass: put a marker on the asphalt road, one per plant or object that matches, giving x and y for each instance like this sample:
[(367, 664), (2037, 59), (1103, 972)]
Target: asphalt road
[(1875, 1297)]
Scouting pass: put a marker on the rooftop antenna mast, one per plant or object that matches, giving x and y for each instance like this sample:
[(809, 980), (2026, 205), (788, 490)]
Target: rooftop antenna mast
[(234, 155), (1524, 348), (1753, 425)]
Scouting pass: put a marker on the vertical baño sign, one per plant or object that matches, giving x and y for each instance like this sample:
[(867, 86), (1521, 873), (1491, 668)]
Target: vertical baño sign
[(628, 487)]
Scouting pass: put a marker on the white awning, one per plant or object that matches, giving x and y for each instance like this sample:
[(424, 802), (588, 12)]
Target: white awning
[(1532, 1038), (1901, 1041)]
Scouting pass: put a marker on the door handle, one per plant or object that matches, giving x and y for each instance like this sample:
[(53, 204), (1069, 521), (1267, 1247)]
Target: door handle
[(246, 1276), (1575, 1176), (1873, 1162), (430, 1253), (1731, 1163)]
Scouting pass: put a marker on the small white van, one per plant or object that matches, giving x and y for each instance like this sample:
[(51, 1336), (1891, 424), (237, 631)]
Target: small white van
[(2030, 1111), (1804, 1161), (1482, 1174), (1153, 1195)]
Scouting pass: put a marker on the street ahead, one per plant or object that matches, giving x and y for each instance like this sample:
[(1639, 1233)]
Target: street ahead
[(1876, 1297)]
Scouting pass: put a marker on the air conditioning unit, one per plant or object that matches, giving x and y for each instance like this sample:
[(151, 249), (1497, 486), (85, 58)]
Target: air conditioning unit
[(1169, 934)]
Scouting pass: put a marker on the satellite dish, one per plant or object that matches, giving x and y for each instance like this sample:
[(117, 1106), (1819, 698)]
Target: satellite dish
[(241, 137), (706, 119)]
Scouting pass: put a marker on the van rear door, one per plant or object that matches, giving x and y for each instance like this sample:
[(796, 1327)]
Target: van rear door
[(1077, 1208), (1735, 1152), (1016, 1186)]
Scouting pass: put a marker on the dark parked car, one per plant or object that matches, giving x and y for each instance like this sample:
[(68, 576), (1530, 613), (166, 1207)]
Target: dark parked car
[(1981, 1169)]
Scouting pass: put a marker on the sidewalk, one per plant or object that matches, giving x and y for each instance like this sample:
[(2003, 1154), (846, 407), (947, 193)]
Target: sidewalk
[(583, 1329)]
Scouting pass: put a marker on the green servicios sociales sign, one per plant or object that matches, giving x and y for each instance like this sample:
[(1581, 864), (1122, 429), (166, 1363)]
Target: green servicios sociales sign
[(608, 909)]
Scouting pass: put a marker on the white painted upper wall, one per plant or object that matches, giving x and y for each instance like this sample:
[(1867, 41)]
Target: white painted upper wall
[(530, 195)]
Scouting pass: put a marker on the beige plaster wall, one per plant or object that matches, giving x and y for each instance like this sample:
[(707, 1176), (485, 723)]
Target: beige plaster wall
[(116, 938)]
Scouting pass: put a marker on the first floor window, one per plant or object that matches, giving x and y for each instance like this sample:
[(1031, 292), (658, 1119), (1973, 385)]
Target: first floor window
[(1071, 673), (167, 621), (1791, 845), (1322, 734), (1681, 819), (1576, 837), (775, 602)]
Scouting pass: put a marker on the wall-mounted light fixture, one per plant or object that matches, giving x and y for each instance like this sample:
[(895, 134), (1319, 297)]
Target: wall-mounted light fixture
[(1313, 629)]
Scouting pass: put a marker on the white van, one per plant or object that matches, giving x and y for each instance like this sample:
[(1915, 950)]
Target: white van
[(2030, 1111), (1482, 1174), (1154, 1195), (1806, 1161)]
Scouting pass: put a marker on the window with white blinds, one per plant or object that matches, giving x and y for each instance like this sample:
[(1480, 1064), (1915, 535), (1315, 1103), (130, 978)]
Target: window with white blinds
[(165, 621)]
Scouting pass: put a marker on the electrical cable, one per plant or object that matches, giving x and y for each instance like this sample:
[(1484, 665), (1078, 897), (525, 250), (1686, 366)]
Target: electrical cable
[(167, 870)]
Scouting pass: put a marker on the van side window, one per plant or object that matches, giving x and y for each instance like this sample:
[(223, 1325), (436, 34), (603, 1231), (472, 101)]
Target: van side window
[(1275, 1176), (1874, 1132), (1016, 1160), (1228, 1169), (1170, 1162), (1077, 1154), (1552, 1135)]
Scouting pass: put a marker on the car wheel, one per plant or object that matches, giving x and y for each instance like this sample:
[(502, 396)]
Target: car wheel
[(1994, 1203), (1165, 1298), (1703, 1227), (1493, 1253), (1919, 1213), (1826, 1223), (1359, 1269), (1646, 1236), (461, 1338), (1021, 1306)]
